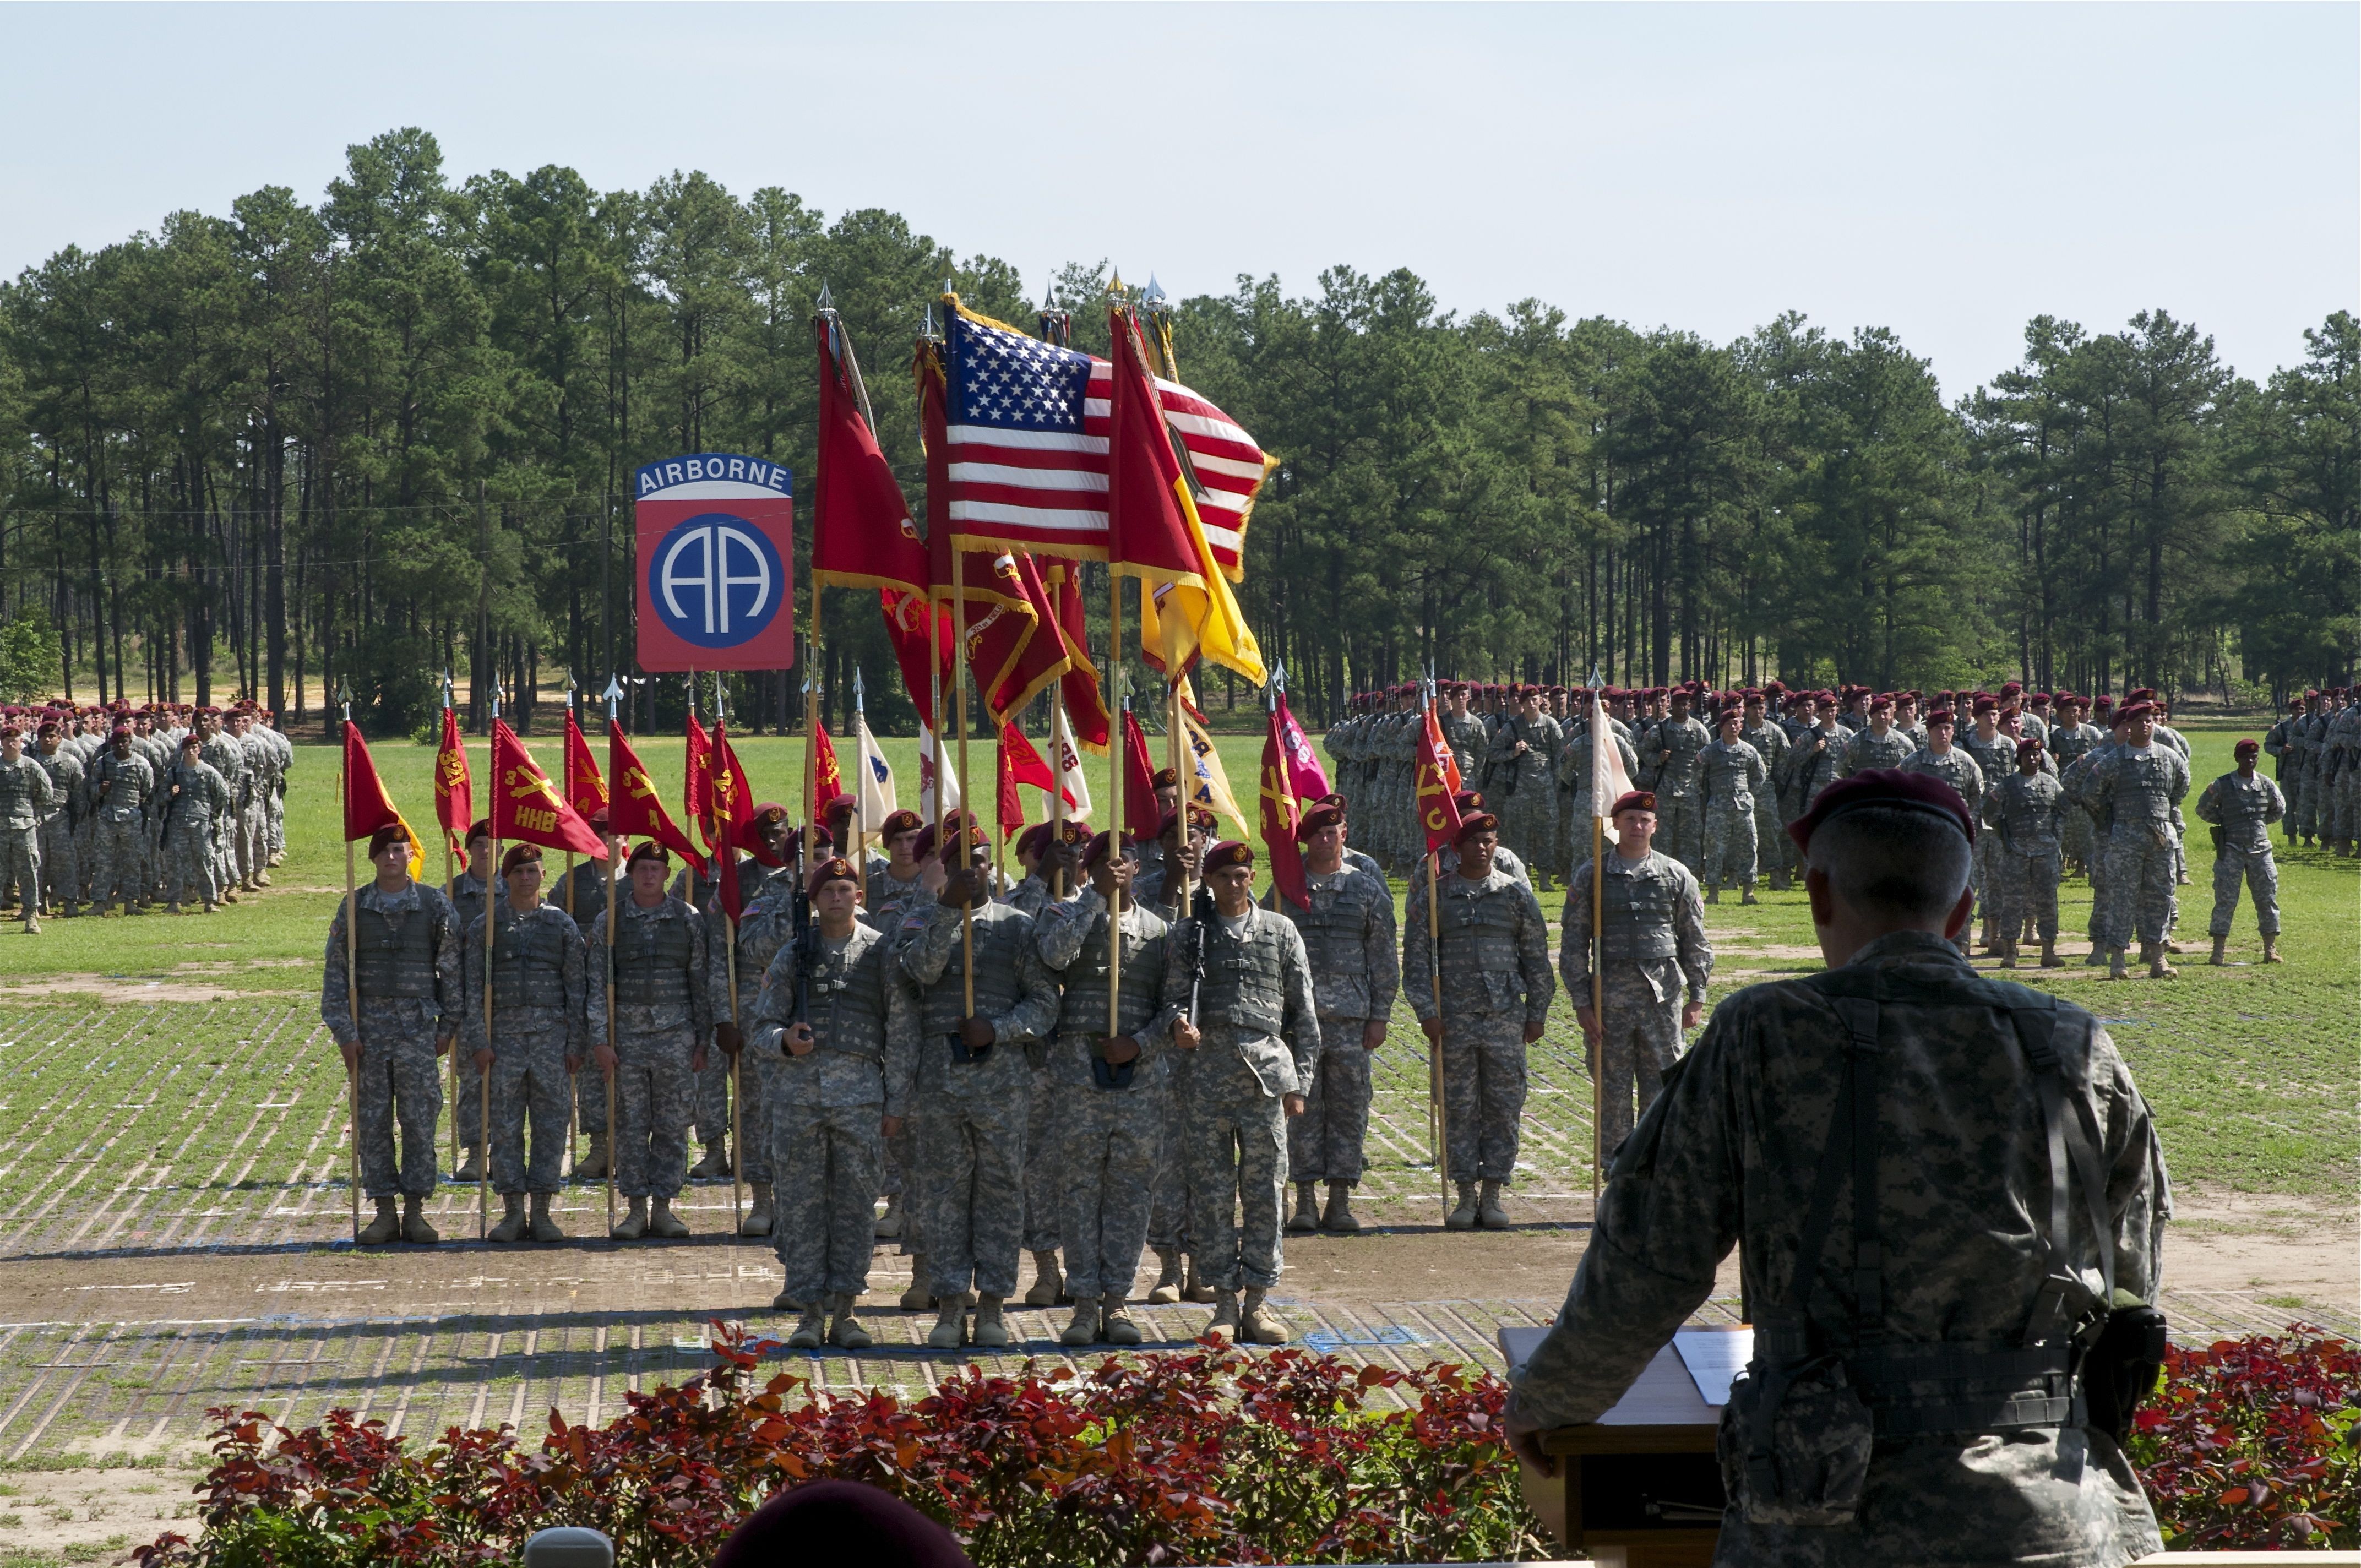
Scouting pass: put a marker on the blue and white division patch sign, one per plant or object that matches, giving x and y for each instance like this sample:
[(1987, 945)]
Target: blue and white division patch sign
[(716, 535)]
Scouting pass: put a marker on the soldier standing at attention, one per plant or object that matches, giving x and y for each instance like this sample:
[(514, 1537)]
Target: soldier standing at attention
[(25, 798), (766, 923), (406, 945), (467, 894), (60, 873), (2028, 808), (1939, 759), (2137, 787), (1917, 1391), (968, 1086), (893, 886), (1772, 853), (661, 951), (1112, 1088), (1670, 756), (1254, 1022), (1729, 772), (1879, 745), (2278, 745), (121, 784), (192, 799), (1348, 935), (2240, 805), (1497, 989), (2069, 738), (1462, 731), (1521, 754), (1574, 815), (1658, 962), (1044, 1156), (539, 1038), (838, 1083)]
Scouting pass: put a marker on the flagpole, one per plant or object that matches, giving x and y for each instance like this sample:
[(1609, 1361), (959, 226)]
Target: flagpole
[(1438, 1096), (1058, 790), (729, 867), (614, 1142), (491, 920), (353, 978), (860, 809), (958, 673), (1118, 755), (447, 879), (565, 772), (1601, 738)]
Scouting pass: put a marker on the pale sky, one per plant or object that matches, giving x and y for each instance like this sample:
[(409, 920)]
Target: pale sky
[(1947, 171)]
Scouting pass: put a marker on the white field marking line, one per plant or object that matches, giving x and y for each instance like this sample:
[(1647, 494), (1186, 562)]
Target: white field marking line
[(267, 1209), (377, 1376), (634, 1363), (410, 1382), (114, 1201), (310, 1195), (172, 1351), (53, 1116), (307, 1378), (597, 1374), (190, 1379), (55, 1362), (29, 1065), (484, 1386), (124, 1211), (524, 1379), (215, 1208), (198, 1117)]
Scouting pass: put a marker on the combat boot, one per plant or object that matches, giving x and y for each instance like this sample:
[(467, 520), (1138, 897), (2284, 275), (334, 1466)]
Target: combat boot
[(262, 879), (383, 1230), (1462, 1217), (950, 1331), (634, 1223), (1713, 895), (2098, 956), (1338, 1216), (592, 1166), (2049, 958), (759, 1219), (512, 1221), (1489, 1212), (2007, 953), (1224, 1324), (2221, 952), (1257, 1323), (662, 1221), (1115, 1324), (1048, 1280), (1778, 881), (716, 1162), (1304, 1217), (889, 1224), (32, 923), (1084, 1328), (2115, 964), (1194, 1289), (1746, 894), (1166, 1291), (2156, 967), (472, 1167), (921, 1294), (414, 1227), (991, 1331), (784, 1301), (541, 1227), (2271, 951), (844, 1330), (811, 1329)]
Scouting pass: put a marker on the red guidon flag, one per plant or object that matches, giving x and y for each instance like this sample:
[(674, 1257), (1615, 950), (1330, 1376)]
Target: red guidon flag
[(697, 781), (1141, 816), (733, 818), (526, 806), (1019, 764), (367, 805), (454, 796), (1437, 772), (1280, 813), (637, 809), (1086, 716), (828, 779), (862, 530), (585, 790)]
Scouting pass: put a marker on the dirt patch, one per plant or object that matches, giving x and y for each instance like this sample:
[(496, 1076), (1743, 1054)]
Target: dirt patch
[(92, 1515), (118, 991)]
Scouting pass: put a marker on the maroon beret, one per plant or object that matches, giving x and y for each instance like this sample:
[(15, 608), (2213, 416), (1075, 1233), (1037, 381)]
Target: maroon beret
[(2028, 747), (1884, 786), (647, 849), (897, 822), (1100, 846), (2249, 747), (1228, 853), (1475, 822), (1034, 839), (1633, 800), (2132, 710), (836, 868), (1941, 715), (391, 833), (1316, 819), (517, 855), (1468, 800)]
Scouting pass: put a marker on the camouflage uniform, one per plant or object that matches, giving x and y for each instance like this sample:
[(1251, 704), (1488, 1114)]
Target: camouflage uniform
[(664, 1012), (2068, 745), (1259, 1012), (539, 1019), (1466, 735), (1774, 854), (193, 798), (767, 925), (1671, 759), (1868, 750), (587, 888), (1348, 935), (25, 800), (61, 868), (886, 904), (1657, 957), (1494, 956), (408, 948), (222, 753), (2079, 782), (1109, 1122), (1727, 776), (1044, 1160), (2137, 790), (2242, 810), (826, 1141), (465, 891), (713, 1083), (969, 1118), (1812, 763), (1966, 776), (121, 789), (2027, 812), (1523, 791), (1734, 1155), (2342, 749)]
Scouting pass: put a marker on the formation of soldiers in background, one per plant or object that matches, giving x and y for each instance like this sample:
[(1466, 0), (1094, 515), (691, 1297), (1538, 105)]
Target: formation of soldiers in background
[(165, 803), (2058, 793)]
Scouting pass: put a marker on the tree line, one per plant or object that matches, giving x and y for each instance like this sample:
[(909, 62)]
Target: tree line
[(368, 439)]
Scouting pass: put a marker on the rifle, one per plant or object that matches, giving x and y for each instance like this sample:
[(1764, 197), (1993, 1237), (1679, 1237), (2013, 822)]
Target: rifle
[(807, 941), (164, 825), (1200, 924)]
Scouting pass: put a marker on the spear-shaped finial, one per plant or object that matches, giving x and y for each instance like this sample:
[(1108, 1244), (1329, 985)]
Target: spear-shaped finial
[(857, 693), (1152, 297), (345, 697), (827, 301), (930, 320)]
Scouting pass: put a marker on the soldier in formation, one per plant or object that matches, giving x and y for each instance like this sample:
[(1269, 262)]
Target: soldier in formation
[(1729, 772), (2027, 811), (524, 962), (192, 798), (1522, 756), (2240, 806), (2135, 789)]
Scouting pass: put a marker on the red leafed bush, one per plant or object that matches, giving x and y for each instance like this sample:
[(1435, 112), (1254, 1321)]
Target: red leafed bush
[(1209, 1455), (2251, 1442)]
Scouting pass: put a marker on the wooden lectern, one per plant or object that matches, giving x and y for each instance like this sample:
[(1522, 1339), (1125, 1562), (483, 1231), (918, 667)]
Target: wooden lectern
[(1643, 1486)]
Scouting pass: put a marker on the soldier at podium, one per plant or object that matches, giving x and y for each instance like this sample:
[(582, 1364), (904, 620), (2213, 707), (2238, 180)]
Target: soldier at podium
[(1940, 1185)]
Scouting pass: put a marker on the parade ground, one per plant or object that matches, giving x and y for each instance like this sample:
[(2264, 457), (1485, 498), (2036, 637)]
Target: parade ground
[(175, 1215)]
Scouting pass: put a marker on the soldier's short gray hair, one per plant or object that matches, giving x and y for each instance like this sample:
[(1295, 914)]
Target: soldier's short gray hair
[(1893, 861)]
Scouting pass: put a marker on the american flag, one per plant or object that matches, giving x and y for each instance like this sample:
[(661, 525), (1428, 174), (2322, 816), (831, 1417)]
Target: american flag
[(1026, 432)]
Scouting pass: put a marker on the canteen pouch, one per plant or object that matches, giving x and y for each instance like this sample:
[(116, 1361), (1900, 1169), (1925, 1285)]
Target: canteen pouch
[(1110, 1075), (2120, 1372), (1795, 1444), (963, 1057), (2215, 829)]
